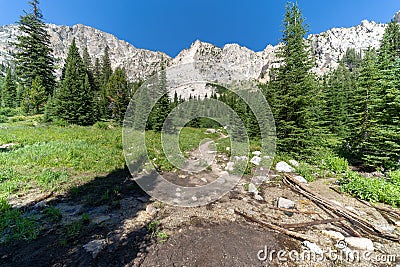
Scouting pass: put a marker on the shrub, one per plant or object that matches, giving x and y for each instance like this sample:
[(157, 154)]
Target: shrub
[(3, 119), (394, 177), (306, 171), (101, 125), (335, 164), (371, 189)]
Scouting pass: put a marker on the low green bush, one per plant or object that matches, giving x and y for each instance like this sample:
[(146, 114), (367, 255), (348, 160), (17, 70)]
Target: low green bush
[(335, 164), (371, 189)]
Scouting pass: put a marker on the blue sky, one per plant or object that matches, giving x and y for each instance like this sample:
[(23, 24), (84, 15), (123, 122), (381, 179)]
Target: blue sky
[(172, 25)]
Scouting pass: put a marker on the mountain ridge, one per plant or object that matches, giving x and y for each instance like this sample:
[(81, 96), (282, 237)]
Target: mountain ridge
[(239, 62)]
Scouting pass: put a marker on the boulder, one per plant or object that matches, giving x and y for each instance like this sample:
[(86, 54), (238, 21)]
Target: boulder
[(300, 179), (253, 188), (256, 160), (285, 203), (229, 166), (256, 153), (294, 163), (284, 167), (359, 243), (258, 197)]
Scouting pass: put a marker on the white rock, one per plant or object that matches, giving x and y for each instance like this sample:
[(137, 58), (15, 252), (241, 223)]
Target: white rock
[(253, 188), (336, 202), (256, 160), (333, 235), (285, 203), (228, 148), (386, 228), (241, 158), (258, 197), (301, 179), (284, 167), (257, 153), (229, 166), (294, 163), (359, 243), (211, 131), (95, 247), (314, 248), (151, 210)]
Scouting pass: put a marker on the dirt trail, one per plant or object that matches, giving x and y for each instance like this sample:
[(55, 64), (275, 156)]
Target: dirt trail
[(211, 235)]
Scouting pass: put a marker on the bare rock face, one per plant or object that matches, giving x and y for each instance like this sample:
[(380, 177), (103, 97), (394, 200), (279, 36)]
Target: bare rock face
[(138, 63), (330, 46), (397, 17), (233, 62)]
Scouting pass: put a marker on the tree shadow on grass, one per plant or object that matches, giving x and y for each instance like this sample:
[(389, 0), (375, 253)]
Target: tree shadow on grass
[(96, 210)]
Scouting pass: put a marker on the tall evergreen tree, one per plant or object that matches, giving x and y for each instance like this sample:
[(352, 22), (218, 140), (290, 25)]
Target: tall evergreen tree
[(35, 98), (382, 147), (9, 91), (74, 99), (118, 94), (295, 88), (33, 57), (389, 49), (106, 70), (162, 108), (338, 93), (363, 98)]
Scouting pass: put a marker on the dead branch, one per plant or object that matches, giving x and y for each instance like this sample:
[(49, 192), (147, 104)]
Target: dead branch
[(299, 236), (338, 210)]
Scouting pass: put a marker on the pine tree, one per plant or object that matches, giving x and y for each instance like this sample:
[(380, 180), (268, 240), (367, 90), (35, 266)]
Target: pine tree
[(363, 97), (295, 89), (106, 70), (105, 74), (389, 49), (35, 98), (33, 57), (162, 107), (338, 93), (118, 94), (74, 99), (382, 148), (9, 91)]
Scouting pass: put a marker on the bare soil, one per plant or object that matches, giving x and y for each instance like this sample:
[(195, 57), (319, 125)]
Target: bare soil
[(211, 235)]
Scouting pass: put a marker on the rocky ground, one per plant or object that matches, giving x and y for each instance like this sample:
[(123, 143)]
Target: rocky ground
[(112, 222)]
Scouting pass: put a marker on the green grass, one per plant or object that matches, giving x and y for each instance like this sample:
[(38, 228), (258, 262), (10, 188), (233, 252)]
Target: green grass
[(15, 225), (52, 157)]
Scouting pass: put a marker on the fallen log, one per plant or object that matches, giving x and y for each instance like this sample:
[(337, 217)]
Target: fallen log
[(338, 210), (312, 223), (276, 228), (293, 210)]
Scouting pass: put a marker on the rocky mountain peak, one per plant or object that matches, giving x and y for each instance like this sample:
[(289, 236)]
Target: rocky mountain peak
[(397, 17), (232, 60)]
